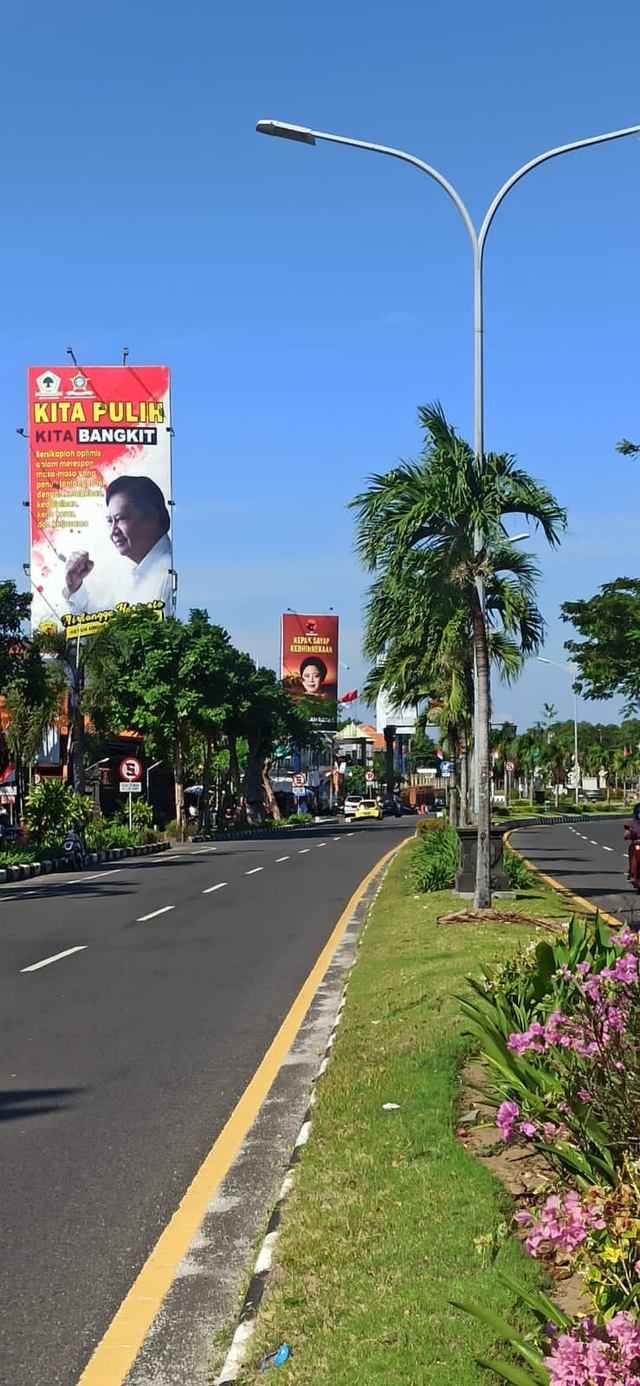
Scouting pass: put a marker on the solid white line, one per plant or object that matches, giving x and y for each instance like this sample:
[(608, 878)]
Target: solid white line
[(144, 917), (219, 886), (199, 850), (303, 850), (56, 956), (93, 877), (281, 859), (253, 870)]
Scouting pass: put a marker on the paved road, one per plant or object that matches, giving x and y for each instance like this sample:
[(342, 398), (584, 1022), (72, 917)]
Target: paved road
[(589, 858), (124, 1058)]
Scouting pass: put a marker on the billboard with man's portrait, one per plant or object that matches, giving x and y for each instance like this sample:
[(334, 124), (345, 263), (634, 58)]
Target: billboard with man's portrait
[(310, 663), (99, 494)]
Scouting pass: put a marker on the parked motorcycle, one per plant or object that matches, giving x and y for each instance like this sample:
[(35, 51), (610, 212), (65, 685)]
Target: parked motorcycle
[(73, 850), (634, 861)]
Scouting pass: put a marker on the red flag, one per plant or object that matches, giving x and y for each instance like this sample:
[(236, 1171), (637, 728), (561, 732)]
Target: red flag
[(349, 697)]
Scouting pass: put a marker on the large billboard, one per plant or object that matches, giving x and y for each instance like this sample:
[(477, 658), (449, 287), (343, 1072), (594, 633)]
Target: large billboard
[(99, 493), (310, 663), (402, 718)]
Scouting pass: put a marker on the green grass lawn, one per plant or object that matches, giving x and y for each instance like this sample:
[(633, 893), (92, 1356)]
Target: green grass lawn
[(379, 1230)]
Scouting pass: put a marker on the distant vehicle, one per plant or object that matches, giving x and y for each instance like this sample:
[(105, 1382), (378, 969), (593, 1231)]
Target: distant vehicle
[(368, 808), (595, 796), (391, 807), (406, 807), (350, 804)]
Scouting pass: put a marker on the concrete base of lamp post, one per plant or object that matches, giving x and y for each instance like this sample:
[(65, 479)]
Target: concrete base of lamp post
[(465, 881)]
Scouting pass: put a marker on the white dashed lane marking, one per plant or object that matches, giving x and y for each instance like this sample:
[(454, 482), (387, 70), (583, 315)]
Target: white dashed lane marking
[(303, 850), (154, 914), (281, 859), (55, 958), (219, 886), (254, 870)]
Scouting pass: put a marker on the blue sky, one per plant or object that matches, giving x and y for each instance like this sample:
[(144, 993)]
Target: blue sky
[(308, 300)]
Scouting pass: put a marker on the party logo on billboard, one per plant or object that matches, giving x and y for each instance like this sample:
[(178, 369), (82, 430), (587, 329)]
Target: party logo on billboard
[(310, 663), (100, 492)]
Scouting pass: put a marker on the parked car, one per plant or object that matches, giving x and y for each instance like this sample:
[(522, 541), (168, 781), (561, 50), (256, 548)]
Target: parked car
[(368, 808), (350, 804), (390, 807)]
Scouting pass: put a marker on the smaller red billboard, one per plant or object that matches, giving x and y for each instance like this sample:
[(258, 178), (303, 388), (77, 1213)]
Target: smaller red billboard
[(310, 655)]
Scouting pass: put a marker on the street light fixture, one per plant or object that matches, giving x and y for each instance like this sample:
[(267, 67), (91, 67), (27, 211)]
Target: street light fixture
[(303, 135), (569, 669)]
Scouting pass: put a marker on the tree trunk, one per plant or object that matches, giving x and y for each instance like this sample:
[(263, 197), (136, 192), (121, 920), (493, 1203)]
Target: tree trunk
[(482, 896), (464, 776), (253, 788), (205, 808), (453, 785), (268, 790), (234, 768), (178, 782), (389, 735)]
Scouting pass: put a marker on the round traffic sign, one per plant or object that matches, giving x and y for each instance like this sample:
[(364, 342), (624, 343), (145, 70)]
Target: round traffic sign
[(369, 776), (510, 765), (130, 769), (37, 779), (298, 779)]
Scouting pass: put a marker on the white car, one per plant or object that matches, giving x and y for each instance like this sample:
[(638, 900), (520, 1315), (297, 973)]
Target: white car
[(350, 804)]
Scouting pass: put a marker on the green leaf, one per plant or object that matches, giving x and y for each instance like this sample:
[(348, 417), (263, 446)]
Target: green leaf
[(537, 1301), (508, 1372)]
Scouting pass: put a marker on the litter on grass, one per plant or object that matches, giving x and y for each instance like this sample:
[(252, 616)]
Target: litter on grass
[(391, 1106), (275, 1359)]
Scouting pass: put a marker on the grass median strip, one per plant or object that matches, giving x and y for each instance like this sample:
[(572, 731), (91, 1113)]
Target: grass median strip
[(390, 1217)]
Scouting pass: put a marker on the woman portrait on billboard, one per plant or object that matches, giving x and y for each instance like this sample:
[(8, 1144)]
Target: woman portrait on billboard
[(313, 672)]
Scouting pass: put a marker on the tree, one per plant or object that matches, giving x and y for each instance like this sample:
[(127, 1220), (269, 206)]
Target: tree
[(14, 611), (438, 506), (607, 657), (67, 659), (137, 680), (34, 694)]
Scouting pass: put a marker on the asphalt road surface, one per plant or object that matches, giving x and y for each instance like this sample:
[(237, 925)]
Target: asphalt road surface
[(137, 1001), (588, 858)]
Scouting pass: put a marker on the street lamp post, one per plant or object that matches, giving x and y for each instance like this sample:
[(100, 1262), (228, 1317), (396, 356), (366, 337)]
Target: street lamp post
[(302, 135), (569, 669)]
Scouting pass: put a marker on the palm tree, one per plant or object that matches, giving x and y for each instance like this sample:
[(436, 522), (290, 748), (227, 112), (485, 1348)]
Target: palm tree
[(34, 696), (66, 658), (438, 506)]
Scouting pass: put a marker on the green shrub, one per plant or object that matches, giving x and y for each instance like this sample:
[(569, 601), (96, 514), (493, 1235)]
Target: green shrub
[(51, 809), (519, 876), (435, 858), (426, 826)]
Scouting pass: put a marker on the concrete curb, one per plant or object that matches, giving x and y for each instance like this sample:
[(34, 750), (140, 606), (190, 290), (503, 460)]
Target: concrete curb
[(25, 871), (309, 829), (550, 820), (259, 1278)]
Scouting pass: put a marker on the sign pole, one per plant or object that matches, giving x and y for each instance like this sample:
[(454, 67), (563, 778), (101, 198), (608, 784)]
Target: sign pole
[(130, 812)]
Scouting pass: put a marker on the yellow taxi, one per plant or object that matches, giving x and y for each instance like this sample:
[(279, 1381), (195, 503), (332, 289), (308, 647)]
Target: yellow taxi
[(368, 808)]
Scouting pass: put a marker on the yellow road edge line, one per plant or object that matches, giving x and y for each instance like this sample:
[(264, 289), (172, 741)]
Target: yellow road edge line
[(117, 1350), (556, 885)]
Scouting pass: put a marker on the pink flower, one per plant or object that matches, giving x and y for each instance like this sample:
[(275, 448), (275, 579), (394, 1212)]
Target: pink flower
[(527, 1128), (507, 1114)]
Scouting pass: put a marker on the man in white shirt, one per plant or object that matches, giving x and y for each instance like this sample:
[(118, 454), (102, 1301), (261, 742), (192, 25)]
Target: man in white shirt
[(138, 523)]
